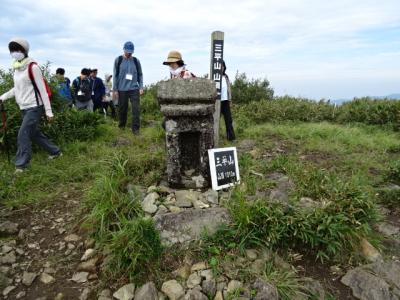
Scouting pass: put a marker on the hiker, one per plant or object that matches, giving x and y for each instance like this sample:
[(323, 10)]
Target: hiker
[(82, 91), (108, 99), (226, 97), (128, 85), (177, 67), (98, 91), (64, 86), (31, 95)]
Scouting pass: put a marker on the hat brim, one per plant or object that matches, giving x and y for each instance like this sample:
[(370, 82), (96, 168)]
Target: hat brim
[(128, 51), (170, 61)]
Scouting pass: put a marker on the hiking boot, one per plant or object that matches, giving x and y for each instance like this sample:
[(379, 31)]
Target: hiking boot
[(19, 171), (54, 156)]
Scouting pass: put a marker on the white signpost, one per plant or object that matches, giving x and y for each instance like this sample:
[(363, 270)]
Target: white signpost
[(224, 167)]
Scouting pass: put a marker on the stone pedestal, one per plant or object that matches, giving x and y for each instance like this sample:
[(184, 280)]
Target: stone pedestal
[(188, 107)]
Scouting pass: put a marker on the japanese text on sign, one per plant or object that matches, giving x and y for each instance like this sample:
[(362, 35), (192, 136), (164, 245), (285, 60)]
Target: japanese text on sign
[(217, 54)]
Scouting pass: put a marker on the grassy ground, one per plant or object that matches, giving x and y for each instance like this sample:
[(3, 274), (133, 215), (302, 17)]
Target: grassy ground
[(340, 166)]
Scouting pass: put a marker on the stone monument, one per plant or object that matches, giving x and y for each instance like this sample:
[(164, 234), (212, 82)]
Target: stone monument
[(188, 106)]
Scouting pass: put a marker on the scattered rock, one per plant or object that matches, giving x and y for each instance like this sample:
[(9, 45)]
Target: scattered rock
[(88, 266), (199, 266), (211, 197), (195, 294), (80, 277), (8, 228), (105, 295), (251, 254), (388, 229), (219, 296), (148, 204), (193, 280), (209, 287), (366, 285), (314, 288), (265, 290), (185, 198), (9, 258), (207, 274), (46, 278), (188, 225), (257, 266), (89, 253), (307, 204), (8, 290), (6, 248), (369, 252), (60, 296), (20, 295), (28, 278), (127, 292), (233, 285), (183, 272), (199, 181), (173, 289), (147, 292), (72, 238)]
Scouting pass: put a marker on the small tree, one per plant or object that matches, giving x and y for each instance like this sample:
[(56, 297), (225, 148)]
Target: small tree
[(245, 90)]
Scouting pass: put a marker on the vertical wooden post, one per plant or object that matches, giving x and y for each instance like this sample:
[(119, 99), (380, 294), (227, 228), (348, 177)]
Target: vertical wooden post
[(217, 55)]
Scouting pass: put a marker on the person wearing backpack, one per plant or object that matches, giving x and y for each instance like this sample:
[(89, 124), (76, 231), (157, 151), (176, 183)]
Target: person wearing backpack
[(128, 86), (32, 97), (98, 91), (82, 91), (64, 86)]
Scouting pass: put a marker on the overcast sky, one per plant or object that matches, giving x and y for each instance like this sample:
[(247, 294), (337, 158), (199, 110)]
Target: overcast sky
[(310, 48)]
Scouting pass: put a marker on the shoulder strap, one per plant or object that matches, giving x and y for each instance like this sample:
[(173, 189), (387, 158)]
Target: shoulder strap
[(35, 88), (118, 65)]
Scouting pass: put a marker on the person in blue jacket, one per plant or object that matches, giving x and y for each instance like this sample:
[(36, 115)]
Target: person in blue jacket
[(98, 91), (64, 86)]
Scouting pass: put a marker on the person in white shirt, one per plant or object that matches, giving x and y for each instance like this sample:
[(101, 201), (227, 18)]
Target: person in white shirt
[(31, 96), (226, 97)]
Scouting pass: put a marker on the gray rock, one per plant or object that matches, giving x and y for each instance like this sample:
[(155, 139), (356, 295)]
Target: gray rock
[(105, 295), (4, 280), (193, 280), (367, 286), (28, 278), (388, 229), (72, 238), (20, 295), (265, 290), (88, 266), (6, 248), (211, 196), (207, 274), (46, 278), (8, 290), (80, 277), (127, 292), (258, 266), (209, 287), (188, 225), (251, 254), (307, 204), (148, 203), (185, 198), (314, 288), (9, 258), (162, 210), (389, 271), (199, 181), (195, 294), (147, 291), (89, 253), (173, 289), (233, 285), (8, 228)]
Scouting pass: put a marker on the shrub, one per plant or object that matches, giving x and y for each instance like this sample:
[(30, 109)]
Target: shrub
[(245, 90)]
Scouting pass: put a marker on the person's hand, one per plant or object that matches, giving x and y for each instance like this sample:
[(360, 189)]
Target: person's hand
[(141, 92), (50, 119), (115, 95)]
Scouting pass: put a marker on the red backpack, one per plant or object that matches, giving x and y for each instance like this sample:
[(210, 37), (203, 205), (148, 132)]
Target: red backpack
[(46, 84)]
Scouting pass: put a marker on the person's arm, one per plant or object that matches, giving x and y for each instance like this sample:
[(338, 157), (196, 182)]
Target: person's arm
[(38, 78), (7, 95), (115, 77), (140, 75), (102, 88)]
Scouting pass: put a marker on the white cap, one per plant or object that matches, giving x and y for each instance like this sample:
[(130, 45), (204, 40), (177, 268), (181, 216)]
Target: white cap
[(22, 42)]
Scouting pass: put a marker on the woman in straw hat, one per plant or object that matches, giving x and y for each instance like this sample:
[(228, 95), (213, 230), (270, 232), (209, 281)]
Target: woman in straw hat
[(177, 67)]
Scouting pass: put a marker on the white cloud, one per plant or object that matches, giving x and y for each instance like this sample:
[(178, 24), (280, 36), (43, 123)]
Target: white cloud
[(310, 48)]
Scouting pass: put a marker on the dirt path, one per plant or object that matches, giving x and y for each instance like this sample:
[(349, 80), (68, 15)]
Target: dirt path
[(40, 257)]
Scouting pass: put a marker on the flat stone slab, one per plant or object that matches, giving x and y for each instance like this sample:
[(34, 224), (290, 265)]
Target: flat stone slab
[(188, 225)]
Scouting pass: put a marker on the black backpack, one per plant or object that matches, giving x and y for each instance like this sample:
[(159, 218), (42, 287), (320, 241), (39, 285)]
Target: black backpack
[(120, 58), (84, 87)]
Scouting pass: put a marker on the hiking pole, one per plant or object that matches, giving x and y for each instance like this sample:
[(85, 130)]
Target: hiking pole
[(4, 129)]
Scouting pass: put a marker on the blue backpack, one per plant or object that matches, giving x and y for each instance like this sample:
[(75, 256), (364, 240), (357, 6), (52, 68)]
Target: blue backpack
[(64, 89)]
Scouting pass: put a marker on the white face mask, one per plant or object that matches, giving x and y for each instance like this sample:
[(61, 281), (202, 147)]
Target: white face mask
[(18, 55), (176, 72)]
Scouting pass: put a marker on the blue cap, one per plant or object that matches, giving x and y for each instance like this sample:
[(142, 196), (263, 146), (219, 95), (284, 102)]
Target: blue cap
[(128, 47)]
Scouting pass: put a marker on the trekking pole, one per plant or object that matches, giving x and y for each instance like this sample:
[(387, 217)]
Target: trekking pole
[(4, 129)]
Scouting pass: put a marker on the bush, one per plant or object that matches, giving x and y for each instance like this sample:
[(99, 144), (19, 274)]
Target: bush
[(245, 90)]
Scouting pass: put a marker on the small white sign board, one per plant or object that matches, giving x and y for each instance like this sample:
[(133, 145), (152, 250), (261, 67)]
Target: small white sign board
[(224, 167)]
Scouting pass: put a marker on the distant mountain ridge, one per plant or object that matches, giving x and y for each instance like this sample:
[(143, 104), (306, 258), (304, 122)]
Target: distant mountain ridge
[(395, 96)]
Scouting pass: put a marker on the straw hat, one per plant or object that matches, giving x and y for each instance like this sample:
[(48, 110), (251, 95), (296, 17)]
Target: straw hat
[(173, 56)]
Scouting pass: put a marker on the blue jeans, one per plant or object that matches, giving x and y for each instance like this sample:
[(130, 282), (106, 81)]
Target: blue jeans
[(28, 132)]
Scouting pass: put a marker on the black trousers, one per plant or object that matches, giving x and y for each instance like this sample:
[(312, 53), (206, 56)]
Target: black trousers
[(226, 112), (123, 103)]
